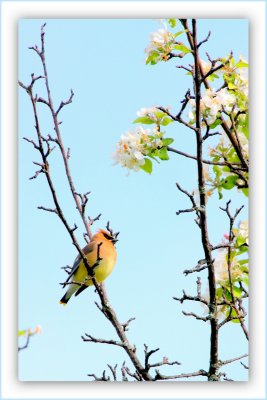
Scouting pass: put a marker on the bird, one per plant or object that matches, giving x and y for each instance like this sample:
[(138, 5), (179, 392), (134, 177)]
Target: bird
[(101, 254)]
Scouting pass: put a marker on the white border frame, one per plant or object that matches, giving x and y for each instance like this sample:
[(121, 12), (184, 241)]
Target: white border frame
[(11, 12)]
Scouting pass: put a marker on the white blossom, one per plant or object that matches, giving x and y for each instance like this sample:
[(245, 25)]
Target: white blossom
[(134, 145), (211, 104), (148, 112), (243, 230), (221, 266), (160, 41)]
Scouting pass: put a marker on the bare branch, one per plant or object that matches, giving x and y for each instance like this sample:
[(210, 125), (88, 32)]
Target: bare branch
[(245, 366), (232, 360), (197, 298), (64, 103), (102, 378), (92, 339), (201, 265), (205, 40), (191, 314), (177, 118), (26, 344), (127, 323), (92, 220), (52, 210), (159, 376), (32, 142)]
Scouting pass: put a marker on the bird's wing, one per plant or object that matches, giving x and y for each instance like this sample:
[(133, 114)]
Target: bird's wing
[(89, 248)]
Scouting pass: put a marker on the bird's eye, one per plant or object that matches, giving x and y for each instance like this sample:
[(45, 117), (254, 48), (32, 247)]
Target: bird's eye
[(108, 237)]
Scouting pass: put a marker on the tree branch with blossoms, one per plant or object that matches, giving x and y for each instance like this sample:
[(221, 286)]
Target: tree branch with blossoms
[(211, 111)]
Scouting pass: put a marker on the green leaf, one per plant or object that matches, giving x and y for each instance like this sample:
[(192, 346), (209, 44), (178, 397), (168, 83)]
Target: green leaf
[(212, 77), (219, 293), (241, 64), (22, 333), (152, 58), (245, 191), (227, 294), (172, 22), (147, 167), (143, 120), (242, 262), (167, 141), (240, 241), (232, 86), (163, 153), (166, 121), (237, 292), (216, 123), (179, 33), (217, 170), (234, 314), (160, 114), (242, 249), (182, 48), (229, 182), (245, 280), (216, 158), (153, 158)]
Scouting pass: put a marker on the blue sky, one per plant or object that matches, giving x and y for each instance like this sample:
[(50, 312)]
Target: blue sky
[(103, 62)]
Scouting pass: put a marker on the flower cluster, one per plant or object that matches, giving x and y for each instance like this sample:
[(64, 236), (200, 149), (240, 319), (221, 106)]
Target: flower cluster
[(224, 147), (135, 145), (224, 177), (221, 268), (150, 112), (235, 75), (211, 104), (241, 81), (241, 234), (160, 46), (30, 332)]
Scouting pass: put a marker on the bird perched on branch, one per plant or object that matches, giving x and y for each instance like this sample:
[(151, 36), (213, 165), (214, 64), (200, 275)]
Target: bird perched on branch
[(101, 256)]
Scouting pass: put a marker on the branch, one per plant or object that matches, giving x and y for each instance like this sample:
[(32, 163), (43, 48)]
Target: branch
[(92, 339), (127, 323), (192, 38), (64, 103), (26, 344), (106, 309), (205, 40), (191, 314), (245, 366), (159, 376), (197, 298), (177, 117), (232, 360), (192, 199), (102, 378), (221, 163), (54, 113), (240, 313), (201, 265)]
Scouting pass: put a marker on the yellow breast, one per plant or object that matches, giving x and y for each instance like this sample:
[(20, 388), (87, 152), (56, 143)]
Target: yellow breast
[(103, 270)]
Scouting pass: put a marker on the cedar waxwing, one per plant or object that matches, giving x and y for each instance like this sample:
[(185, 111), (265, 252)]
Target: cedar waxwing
[(108, 255)]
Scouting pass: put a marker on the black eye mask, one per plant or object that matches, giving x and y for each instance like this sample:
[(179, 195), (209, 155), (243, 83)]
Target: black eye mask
[(108, 236)]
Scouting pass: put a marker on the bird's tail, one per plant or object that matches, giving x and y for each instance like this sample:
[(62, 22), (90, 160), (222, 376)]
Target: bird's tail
[(72, 289)]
